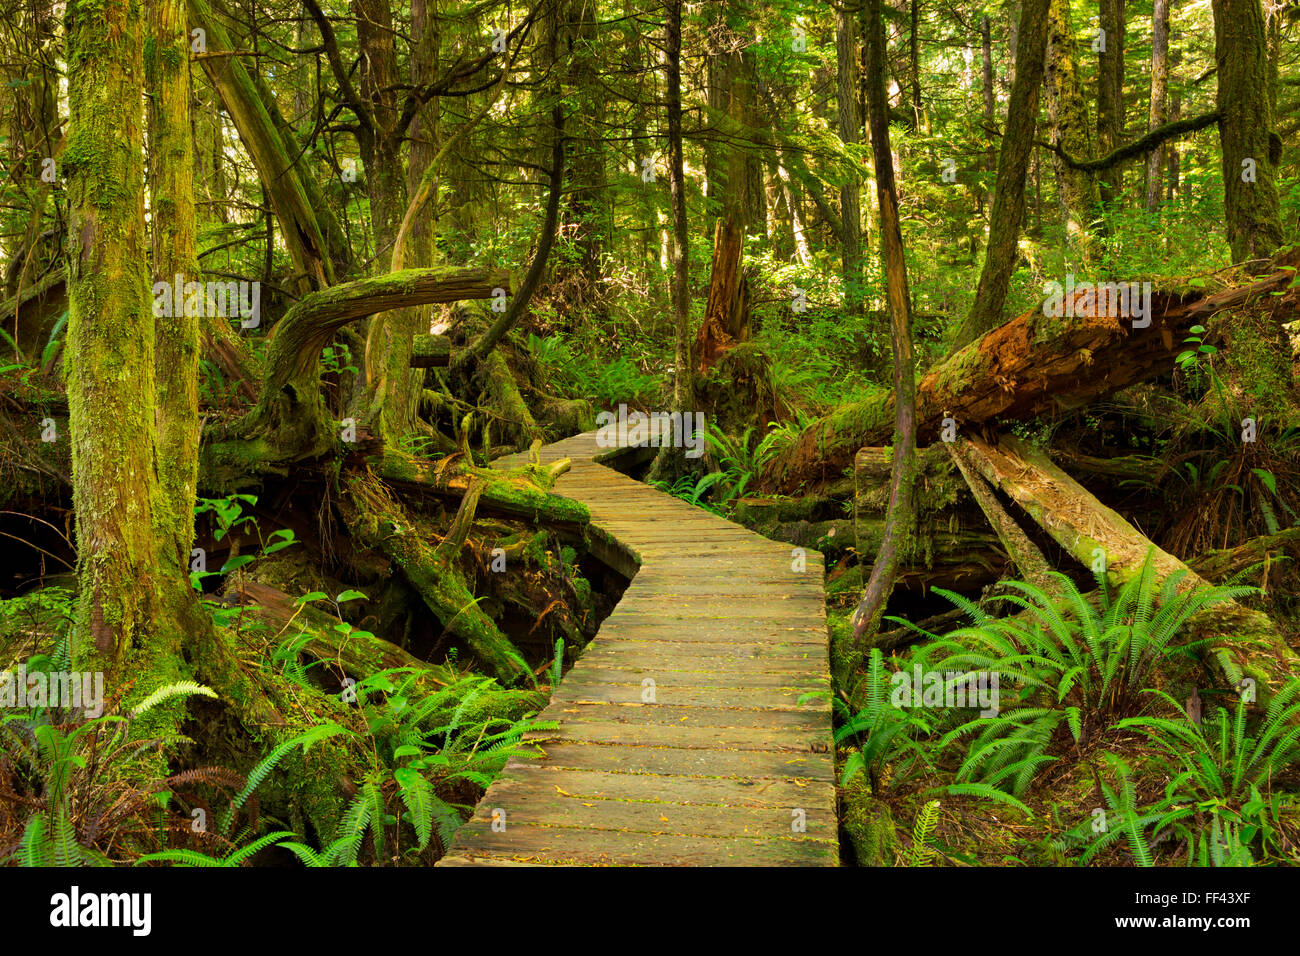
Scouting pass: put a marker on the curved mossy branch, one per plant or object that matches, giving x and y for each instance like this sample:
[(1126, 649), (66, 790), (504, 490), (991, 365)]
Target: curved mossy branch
[(1136, 148), (290, 412)]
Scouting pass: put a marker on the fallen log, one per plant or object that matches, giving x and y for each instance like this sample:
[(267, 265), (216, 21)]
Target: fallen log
[(378, 521), (1034, 365), (1245, 641), (1033, 566)]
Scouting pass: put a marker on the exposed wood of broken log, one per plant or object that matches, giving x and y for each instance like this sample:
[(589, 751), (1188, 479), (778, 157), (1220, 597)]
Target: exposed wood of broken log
[(1026, 555), (1087, 530), (1032, 365)]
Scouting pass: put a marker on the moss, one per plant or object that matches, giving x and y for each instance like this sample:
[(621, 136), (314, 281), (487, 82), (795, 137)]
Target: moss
[(869, 826)]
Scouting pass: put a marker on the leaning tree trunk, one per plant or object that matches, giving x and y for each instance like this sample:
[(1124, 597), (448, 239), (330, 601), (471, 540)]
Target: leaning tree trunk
[(900, 517)]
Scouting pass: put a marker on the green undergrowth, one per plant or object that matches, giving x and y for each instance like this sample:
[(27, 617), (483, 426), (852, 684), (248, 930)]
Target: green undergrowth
[(1108, 742)]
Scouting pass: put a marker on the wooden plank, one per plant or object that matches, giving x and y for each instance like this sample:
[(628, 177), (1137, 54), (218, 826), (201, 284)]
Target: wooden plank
[(684, 677), (750, 765), (788, 739), (525, 804), (524, 843), (657, 788), (668, 691)]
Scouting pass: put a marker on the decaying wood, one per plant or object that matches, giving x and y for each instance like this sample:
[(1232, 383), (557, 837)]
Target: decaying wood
[(1032, 366), (1023, 552), (430, 351), (726, 313), (1246, 641)]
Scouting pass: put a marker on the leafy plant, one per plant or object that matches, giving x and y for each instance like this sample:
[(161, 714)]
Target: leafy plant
[(921, 852), (1075, 665), (884, 734), (421, 744)]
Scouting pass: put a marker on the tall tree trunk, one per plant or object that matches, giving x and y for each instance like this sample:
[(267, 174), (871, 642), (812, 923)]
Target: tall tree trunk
[(389, 377), (1110, 95), (990, 102), (914, 42), (846, 41), (176, 336), (1071, 129), (1013, 164), (1159, 114), (109, 358), (670, 462), (901, 517), (584, 214), (1250, 197)]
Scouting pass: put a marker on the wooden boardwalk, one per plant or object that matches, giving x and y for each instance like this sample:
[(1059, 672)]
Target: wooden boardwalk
[(681, 738)]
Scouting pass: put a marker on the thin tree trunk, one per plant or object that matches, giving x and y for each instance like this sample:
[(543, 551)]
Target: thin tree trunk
[(667, 463), (900, 517), (846, 40), (1159, 114)]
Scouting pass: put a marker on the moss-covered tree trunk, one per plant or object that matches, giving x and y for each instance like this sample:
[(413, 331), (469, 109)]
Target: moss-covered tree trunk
[(109, 359), (1250, 199), (1013, 167), (388, 341), (1071, 129), (1110, 94), (176, 336)]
